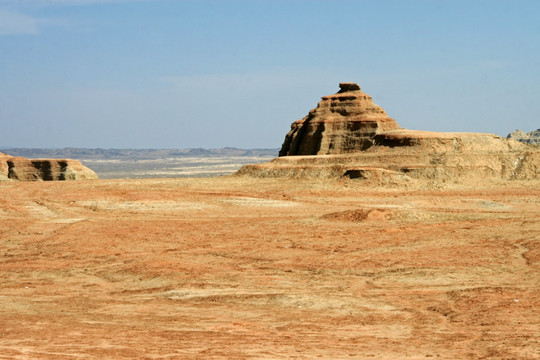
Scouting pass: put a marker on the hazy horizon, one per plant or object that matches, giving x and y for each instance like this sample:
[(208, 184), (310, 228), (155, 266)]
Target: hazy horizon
[(131, 148), (163, 74)]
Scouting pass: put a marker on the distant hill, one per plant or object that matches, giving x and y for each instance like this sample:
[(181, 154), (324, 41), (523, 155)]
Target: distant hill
[(153, 163), (134, 154), (531, 137)]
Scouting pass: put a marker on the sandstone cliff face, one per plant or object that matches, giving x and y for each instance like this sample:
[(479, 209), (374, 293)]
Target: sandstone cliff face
[(341, 123), (17, 168)]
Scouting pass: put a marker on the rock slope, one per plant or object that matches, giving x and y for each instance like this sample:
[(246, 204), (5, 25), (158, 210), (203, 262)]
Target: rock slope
[(18, 168), (347, 135)]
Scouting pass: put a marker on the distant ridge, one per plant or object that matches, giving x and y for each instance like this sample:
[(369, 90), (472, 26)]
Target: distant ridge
[(531, 137), (153, 163), (134, 154)]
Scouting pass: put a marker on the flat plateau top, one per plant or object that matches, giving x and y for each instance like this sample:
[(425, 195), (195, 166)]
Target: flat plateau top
[(418, 134)]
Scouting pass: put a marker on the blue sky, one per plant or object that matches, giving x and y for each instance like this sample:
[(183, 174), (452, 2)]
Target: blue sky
[(197, 73)]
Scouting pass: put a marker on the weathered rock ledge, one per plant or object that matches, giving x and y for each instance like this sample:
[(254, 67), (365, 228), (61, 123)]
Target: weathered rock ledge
[(17, 168)]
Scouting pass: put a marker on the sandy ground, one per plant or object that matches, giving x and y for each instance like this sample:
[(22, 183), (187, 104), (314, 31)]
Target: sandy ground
[(232, 268)]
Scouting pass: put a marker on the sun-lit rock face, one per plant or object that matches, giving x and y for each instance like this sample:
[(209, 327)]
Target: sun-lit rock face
[(341, 123), (18, 168)]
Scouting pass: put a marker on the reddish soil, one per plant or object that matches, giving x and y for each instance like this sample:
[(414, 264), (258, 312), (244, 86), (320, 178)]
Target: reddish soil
[(237, 268)]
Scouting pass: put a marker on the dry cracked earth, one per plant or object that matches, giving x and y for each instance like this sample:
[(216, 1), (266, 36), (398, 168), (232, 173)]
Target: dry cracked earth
[(238, 268)]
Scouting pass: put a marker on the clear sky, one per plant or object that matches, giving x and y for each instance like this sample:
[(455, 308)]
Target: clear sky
[(197, 73)]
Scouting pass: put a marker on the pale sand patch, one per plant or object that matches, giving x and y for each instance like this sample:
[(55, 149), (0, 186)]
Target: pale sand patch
[(38, 210), (67, 221), (329, 302), (246, 201), (142, 205)]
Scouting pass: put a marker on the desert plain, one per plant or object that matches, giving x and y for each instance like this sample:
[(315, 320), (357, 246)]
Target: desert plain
[(245, 268)]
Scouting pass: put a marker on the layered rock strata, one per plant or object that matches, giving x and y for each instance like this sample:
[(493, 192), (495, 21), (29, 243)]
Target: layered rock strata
[(17, 168), (341, 123), (388, 154)]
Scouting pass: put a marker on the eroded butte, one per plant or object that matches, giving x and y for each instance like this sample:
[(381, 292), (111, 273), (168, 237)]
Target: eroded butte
[(348, 135), (238, 268)]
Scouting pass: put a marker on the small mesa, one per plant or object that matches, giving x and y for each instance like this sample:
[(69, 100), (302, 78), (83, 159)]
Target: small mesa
[(22, 169)]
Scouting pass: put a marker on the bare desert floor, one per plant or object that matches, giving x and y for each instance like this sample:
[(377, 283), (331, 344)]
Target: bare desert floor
[(238, 268)]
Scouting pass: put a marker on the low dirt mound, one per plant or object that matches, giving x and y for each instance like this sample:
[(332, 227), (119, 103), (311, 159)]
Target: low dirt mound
[(358, 215)]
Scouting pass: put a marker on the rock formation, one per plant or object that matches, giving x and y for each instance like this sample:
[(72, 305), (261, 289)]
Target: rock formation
[(341, 123), (532, 137), (18, 168), (351, 136)]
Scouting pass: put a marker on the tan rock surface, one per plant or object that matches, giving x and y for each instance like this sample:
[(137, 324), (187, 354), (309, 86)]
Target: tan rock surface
[(18, 168), (243, 268)]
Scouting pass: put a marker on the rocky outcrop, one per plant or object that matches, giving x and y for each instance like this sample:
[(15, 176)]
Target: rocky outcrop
[(341, 123), (354, 138), (17, 168), (532, 137)]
